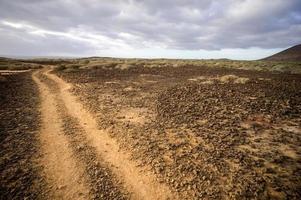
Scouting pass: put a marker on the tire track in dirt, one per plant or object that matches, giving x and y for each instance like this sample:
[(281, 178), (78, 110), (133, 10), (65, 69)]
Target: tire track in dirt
[(141, 183), (102, 182), (63, 174)]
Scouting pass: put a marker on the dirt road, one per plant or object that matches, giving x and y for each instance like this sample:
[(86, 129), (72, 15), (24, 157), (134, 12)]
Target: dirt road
[(62, 172), (66, 160)]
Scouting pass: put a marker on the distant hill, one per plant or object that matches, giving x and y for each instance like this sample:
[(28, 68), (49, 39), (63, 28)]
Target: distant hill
[(290, 54)]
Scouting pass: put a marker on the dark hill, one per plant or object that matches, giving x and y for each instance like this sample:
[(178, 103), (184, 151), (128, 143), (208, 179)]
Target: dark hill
[(290, 54)]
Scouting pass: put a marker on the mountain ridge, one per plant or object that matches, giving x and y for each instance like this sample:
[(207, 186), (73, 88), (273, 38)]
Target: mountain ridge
[(291, 54)]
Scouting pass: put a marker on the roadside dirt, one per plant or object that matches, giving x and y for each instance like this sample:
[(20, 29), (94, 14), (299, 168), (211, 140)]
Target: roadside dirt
[(231, 134), (19, 148)]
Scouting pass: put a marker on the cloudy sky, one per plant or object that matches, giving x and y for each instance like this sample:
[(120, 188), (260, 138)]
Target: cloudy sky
[(237, 29)]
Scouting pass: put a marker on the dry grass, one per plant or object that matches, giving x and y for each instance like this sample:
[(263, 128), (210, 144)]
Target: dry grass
[(223, 79), (125, 64), (233, 78)]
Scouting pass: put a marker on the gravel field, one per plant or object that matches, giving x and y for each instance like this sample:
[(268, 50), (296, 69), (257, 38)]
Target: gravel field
[(19, 125), (208, 133), (141, 132)]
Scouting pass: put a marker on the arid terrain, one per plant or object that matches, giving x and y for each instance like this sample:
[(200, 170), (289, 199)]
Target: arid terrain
[(104, 128)]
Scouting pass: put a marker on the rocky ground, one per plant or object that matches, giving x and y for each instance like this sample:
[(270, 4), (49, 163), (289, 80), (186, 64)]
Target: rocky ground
[(141, 132), (19, 126), (206, 132)]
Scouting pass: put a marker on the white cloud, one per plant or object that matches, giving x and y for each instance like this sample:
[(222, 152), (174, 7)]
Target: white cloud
[(137, 25), (77, 34)]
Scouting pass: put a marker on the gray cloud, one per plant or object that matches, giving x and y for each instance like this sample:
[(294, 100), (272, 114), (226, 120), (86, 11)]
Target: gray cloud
[(85, 27)]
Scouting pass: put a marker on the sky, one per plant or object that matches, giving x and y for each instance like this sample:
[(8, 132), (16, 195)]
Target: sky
[(198, 29)]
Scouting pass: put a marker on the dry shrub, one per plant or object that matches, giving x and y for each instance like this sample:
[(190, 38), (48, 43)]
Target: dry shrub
[(279, 67), (70, 70), (109, 65), (199, 78), (74, 66), (101, 65), (4, 67), (178, 64), (208, 82), (60, 68), (124, 66), (241, 80), (227, 78), (92, 66), (152, 66), (233, 78), (85, 62), (203, 80)]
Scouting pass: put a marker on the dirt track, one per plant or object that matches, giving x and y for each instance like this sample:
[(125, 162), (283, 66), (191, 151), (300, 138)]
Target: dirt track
[(64, 175), (63, 171)]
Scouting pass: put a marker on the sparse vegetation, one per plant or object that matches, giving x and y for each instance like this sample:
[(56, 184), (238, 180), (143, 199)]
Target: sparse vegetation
[(60, 67), (10, 64)]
